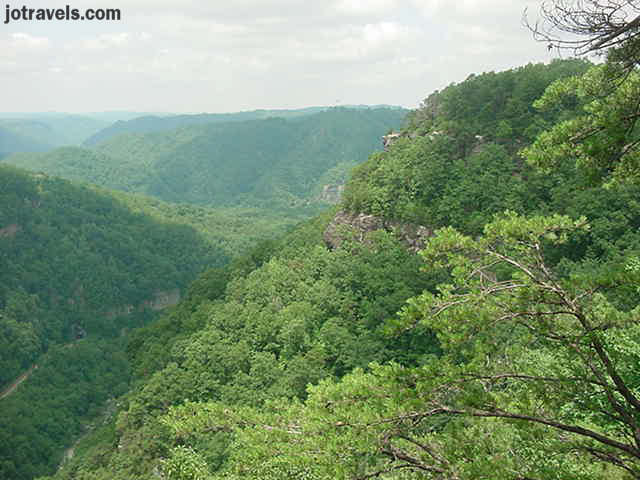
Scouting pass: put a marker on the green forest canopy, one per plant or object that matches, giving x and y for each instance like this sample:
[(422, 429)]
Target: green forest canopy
[(505, 350), (273, 163)]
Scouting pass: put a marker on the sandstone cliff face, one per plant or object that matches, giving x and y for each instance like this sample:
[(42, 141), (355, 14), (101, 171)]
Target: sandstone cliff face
[(389, 139), (160, 301), (361, 224), (331, 194), (9, 230)]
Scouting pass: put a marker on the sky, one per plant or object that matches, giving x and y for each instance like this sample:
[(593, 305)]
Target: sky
[(192, 56)]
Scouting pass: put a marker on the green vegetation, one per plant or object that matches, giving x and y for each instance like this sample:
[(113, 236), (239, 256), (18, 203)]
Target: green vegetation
[(11, 141), (235, 230), (75, 163), (457, 162), (67, 390), (497, 106), (70, 254), (74, 259), (274, 163), (82, 262), (155, 123), (303, 315), (506, 349), (602, 139), (41, 132)]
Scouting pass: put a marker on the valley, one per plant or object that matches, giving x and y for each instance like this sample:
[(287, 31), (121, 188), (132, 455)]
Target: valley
[(449, 292), (86, 266), (309, 353)]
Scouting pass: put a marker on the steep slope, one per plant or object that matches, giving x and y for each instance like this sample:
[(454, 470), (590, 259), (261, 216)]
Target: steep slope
[(54, 130), (283, 162), (272, 368), (155, 123), (456, 162), (71, 254), (11, 142), (81, 266), (277, 163), (78, 265), (303, 315), (76, 163)]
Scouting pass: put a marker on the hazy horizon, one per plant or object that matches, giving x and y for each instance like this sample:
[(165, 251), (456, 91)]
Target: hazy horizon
[(195, 56), (8, 114)]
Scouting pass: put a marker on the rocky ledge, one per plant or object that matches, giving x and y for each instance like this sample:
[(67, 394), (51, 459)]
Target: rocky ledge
[(361, 224), (10, 230)]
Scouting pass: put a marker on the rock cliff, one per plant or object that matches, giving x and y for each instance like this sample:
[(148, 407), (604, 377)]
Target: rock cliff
[(9, 230), (331, 194), (361, 224), (160, 301)]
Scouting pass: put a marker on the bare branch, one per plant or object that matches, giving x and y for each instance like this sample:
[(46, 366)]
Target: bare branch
[(587, 26)]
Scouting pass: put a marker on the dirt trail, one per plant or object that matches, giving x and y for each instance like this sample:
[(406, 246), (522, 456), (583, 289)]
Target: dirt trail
[(11, 388)]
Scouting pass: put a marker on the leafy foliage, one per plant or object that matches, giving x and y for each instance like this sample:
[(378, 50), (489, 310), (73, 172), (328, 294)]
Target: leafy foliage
[(604, 139), (302, 316), (67, 389), (506, 350), (155, 123), (46, 131), (530, 363), (456, 163), (496, 106), (275, 163), (74, 258)]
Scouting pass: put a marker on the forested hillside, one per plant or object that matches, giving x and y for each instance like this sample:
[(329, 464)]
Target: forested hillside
[(79, 264), (41, 132), (506, 349), (155, 123), (11, 141), (70, 254), (274, 163), (443, 169)]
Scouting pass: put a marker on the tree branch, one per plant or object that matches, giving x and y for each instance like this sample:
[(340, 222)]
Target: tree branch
[(585, 432)]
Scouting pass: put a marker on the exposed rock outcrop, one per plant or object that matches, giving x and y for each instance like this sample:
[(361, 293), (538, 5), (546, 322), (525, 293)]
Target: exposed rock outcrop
[(331, 194), (160, 301), (391, 138), (479, 145), (9, 230), (361, 224), (387, 140)]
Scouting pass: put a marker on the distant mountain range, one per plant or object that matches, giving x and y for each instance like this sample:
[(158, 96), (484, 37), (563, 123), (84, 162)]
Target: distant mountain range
[(24, 133), (42, 131), (246, 158), (12, 141), (158, 123)]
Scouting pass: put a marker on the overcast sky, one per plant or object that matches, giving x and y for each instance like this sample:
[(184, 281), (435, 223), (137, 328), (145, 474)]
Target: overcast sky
[(221, 56)]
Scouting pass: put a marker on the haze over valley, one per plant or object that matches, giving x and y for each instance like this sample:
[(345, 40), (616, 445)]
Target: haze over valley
[(344, 240)]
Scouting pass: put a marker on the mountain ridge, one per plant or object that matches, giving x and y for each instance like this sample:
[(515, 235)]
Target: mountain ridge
[(225, 163)]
